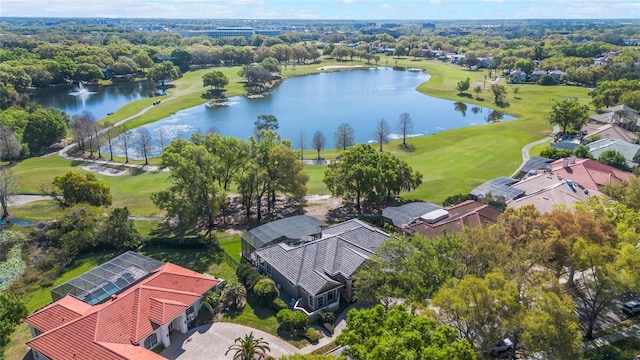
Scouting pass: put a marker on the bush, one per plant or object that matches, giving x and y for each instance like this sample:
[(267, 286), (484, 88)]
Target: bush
[(293, 321), (205, 315), (278, 304), (312, 335), (247, 275), (327, 317), (265, 290)]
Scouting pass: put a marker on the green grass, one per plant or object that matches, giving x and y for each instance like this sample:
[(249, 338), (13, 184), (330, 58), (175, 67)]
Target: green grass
[(37, 210), (625, 349)]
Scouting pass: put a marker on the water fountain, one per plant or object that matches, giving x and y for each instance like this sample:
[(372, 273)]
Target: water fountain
[(81, 91)]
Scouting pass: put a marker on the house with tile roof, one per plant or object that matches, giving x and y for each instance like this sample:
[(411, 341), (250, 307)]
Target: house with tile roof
[(621, 115), (402, 216), (455, 218), (126, 324), (588, 172), (316, 274), (631, 152), (608, 131)]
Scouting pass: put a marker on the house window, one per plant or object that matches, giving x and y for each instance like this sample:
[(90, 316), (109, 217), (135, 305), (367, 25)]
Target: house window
[(151, 341), (330, 297), (268, 267), (311, 301), (320, 301)]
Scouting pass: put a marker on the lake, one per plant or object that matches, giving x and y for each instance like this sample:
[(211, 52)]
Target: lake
[(99, 100), (323, 101)]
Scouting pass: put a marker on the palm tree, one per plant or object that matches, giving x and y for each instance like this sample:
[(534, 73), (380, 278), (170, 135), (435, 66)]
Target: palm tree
[(234, 293), (249, 348)]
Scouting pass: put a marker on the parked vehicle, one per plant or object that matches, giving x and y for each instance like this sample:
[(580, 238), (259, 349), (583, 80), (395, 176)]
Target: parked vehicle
[(631, 308), (503, 349)]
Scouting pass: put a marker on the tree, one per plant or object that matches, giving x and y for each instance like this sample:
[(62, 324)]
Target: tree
[(181, 58), (75, 231), (143, 60), (143, 142), (318, 142), (44, 128), (516, 90), (382, 132), (234, 294), (194, 194), (265, 290), (499, 93), (125, 140), (8, 187), (231, 155), (301, 142), (12, 311), (463, 85), (344, 136), (405, 127), (569, 112), (215, 79), (364, 173), (88, 72), (249, 348), (477, 90), (263, 123), (626, 192), (379, 334), (10, 146), (614, 158), (165, 71), (293, 321), (270, 64), (400, 50), (119, 231), (161, 136), (73, 188), (82, 127)]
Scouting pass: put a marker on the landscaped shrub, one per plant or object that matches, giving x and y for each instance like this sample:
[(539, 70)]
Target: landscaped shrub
[(266, 291), (247, 275), (312, 335), (278, 304), (205, 315), (211, 298), (292, 321), (327, 317)]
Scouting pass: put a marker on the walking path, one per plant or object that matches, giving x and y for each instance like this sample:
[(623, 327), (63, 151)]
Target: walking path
[(630, 331), (340, 324), (63, 153), (527, 148)]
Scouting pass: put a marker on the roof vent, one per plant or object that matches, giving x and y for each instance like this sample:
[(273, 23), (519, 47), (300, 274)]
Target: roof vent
[(114, 297)]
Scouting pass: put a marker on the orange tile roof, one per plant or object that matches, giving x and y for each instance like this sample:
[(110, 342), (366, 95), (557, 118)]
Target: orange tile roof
[(588, 173), (113, 329)]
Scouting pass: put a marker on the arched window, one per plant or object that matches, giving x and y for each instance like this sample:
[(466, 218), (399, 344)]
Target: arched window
[(151, 341)]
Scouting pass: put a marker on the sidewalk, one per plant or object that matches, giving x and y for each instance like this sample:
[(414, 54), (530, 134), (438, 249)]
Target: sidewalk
[(341, 323), (630, 331)]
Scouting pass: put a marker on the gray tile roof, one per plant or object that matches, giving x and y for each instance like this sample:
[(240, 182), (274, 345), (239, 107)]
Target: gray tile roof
[(498, 187), (405, 214), (631, 152), (317, 265), (536, 163), (294, 227)]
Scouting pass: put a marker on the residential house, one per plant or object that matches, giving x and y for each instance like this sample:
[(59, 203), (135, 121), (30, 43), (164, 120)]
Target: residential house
[(468, 214), (556, 75), (402, 216), (316, 274), (549, 190), (537, 74), (535, 165), (608, 131), (291, 230), (120, 310), (622, 115), (517, 76), (500, 187), (588, 172), (631, 152)]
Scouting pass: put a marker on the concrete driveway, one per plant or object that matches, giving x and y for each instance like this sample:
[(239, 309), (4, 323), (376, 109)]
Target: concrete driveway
[(210, 342)]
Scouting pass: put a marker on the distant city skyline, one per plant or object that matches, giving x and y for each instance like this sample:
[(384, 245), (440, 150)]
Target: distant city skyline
[(326, 9)]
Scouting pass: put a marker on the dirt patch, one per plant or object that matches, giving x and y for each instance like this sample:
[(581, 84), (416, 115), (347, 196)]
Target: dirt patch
[(320, 205)]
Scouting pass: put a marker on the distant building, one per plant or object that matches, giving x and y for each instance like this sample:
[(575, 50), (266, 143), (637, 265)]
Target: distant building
[(231, 31)]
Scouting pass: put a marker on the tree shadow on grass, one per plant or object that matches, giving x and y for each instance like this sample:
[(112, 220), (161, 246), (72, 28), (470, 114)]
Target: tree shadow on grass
[(195, 259), (260, 311), (466, 95), (407, 147)]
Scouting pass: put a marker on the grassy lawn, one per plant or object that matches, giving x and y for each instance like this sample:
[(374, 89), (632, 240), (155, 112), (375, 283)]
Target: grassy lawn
[(625, 349)]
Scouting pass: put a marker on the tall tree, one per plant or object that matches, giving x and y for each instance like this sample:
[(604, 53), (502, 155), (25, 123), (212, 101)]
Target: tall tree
[(144, 143), (215, 79), (499, 93), (249, 348), (382, 132), (614, 158), (143, 60), (301, 143), (379, 334), (44, 128), (344, 136), (109, 132), (119, 231), (8, 187), (194, 194), (463, 85), (263, 123), (9, 145), (569, 112), (318, 142), (163, 72), (12, 312), (125, 140), (405, 127), (161, 137), (231, 155)]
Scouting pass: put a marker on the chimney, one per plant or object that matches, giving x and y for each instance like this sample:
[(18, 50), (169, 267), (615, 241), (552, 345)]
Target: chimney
[(572, 160), (565, 162)]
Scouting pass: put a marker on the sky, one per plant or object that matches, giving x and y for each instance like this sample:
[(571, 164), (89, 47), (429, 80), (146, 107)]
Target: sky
[(326, 9)]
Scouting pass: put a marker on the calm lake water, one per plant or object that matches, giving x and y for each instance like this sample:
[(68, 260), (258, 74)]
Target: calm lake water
[(322, 102), (99, 100)]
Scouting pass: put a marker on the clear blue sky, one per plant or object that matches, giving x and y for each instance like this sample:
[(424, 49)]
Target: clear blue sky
[(327, 9)]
